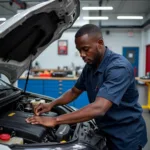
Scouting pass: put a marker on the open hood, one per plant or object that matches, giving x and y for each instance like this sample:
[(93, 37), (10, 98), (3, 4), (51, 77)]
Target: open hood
[(27, 34)]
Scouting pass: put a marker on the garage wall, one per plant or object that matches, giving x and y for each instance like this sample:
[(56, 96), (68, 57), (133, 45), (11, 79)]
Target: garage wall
[(51, 59), (115, 41)]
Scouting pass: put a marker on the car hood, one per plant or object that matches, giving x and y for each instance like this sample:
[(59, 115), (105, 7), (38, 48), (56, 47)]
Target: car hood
[(27, 34)]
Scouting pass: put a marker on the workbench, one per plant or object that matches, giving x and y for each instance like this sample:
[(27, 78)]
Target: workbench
[(147, 82), (53, 87)]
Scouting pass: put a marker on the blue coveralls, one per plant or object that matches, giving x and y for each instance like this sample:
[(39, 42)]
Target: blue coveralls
[(123, 124)]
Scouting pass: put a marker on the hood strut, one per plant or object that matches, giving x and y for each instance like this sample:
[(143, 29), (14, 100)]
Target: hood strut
[(27, 76)]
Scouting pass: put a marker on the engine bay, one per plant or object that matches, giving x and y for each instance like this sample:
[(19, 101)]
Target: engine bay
[(12, 123), (15, 130), (16, 106)]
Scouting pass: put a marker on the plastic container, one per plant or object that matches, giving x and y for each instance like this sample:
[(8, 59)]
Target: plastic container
[(34, 102), (13, 140)]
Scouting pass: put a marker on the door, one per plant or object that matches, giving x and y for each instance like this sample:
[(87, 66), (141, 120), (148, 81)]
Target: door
[(132, 54), (147, 58)]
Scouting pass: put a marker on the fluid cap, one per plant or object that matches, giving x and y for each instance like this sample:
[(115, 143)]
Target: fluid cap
[(4, 137)]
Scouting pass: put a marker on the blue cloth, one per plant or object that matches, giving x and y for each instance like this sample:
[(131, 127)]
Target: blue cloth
[(114, 80)]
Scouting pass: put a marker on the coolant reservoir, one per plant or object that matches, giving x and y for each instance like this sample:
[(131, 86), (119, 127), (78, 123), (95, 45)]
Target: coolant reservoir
[(13, 140), (34, 102)]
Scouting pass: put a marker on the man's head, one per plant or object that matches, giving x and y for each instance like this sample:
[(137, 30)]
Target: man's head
[(89, 43)]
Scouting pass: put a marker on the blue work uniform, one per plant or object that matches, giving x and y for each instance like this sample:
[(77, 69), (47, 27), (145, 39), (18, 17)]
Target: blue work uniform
[(123, 124)]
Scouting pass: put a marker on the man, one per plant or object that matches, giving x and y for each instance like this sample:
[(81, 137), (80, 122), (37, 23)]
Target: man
[(109, 81)]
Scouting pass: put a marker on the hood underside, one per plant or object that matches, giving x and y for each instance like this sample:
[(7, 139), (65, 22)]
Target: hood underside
[(26, 35)]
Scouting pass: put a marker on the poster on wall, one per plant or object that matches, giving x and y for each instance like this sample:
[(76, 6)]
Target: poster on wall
[(62, 47)]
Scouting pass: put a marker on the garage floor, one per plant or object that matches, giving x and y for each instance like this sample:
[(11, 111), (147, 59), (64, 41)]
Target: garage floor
[(143, 101)]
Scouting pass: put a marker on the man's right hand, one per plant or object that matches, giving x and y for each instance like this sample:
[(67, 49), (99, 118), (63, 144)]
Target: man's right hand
[(42, 108), (66, 98)]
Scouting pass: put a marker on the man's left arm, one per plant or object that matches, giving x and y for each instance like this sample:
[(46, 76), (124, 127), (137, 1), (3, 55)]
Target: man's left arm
[(95, 109)]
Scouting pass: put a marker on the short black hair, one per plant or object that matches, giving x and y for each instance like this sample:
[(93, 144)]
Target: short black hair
[(89, 29)]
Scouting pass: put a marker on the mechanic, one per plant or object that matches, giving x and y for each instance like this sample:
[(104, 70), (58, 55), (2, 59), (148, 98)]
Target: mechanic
[(109, 81)]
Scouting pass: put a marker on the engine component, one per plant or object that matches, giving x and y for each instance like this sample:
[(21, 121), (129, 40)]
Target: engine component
[(36, 102), (63, 132), (28, 108), (4, 137), (27, 104), (50, 114), (14, 123), (13, 140)]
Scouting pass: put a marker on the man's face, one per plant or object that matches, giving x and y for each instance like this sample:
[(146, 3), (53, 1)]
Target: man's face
[(90, 49)]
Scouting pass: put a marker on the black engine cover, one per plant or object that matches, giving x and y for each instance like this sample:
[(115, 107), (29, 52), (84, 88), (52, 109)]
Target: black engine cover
[(15, 121)]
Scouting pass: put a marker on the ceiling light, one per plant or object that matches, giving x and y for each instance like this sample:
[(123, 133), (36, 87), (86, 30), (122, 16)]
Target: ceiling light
[(97, 8), (95, 18), (2, 19), (129, 17)]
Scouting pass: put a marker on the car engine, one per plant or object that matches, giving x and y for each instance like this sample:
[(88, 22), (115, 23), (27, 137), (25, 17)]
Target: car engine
[(12, 122)]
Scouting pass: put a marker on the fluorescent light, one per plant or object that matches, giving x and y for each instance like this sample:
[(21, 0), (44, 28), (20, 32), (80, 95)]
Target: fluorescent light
[(97, 8), (2, 19), (95, 18), (129, 17)]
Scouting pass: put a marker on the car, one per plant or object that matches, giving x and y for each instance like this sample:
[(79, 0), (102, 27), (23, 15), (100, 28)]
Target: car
[(22, 39)]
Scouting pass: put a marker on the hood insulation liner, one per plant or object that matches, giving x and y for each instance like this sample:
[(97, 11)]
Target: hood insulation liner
[(35, 32)]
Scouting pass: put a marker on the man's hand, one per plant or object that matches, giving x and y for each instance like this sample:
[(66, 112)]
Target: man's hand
[(45, 121), (41, 108)]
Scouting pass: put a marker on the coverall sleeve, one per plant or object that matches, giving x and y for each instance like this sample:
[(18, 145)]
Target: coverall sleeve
[(118, 79), (80, 84)]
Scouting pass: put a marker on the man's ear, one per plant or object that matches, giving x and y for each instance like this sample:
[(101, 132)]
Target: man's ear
[(100, 43)]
